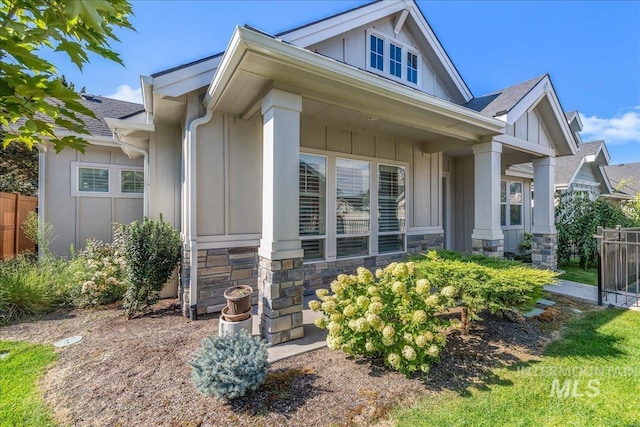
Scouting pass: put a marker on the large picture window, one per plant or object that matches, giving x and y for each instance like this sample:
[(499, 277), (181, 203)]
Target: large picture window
[(510, 203), (313, 200), (352, 207), (391, 208)]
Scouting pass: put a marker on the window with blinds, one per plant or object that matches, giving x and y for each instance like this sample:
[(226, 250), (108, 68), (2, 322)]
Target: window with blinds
[(352, 207), (313, 205), (391, 208), (131, 181), (95, 180)]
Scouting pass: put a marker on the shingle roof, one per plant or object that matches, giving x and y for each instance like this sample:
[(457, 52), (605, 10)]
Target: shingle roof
[(106, 107), (625, 176), (503, 100), (566, 166)]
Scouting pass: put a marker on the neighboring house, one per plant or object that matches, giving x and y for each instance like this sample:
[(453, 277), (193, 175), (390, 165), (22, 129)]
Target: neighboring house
[(81, 195), (351, 141), (582, 172), (624, 180)]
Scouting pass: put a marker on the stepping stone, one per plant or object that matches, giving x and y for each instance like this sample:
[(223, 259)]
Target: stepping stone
[(577, 311), (4, 355), (533, 313), (545, 302), (67, 341)]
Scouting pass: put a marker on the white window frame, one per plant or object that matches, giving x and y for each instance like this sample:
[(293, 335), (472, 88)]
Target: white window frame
[(386, 72), (120, 170), (326, 225), (331, 225), (406, 210), (507, 204), (115, 188)]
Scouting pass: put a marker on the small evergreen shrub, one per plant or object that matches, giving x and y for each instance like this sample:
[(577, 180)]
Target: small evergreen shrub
[(394, 318), (151, 250), (494, 285), (229, 366), (102, 273)]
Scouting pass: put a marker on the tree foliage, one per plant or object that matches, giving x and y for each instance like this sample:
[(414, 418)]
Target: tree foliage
[(34, 100), (19, 170)]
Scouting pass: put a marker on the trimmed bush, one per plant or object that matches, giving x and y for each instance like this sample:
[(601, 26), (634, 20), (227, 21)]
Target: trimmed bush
[(229, 366), (151, 250), (393, 318), (496, 286)]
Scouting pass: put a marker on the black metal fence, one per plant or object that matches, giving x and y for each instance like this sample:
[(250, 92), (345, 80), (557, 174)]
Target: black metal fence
[(619, 266)]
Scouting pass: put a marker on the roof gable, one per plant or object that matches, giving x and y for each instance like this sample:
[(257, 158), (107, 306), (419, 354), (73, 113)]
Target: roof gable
[(624, 178), (403, 13)]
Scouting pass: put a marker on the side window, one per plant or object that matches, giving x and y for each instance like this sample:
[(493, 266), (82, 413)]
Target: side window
[(93, 180), (131, 181), (377, 53)]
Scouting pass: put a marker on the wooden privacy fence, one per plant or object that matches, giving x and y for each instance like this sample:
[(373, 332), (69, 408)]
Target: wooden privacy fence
[(14, 209)]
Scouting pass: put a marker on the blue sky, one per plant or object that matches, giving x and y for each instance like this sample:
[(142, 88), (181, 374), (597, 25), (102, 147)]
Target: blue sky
[(591, 49)]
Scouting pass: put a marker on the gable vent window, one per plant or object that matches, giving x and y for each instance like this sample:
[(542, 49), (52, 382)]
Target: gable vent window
[(391, 58), (377, 53), (395, 60)]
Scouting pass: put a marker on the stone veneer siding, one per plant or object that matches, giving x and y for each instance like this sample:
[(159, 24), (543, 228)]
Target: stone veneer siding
[(219, 269), (280, 296), (490, 248), (544, 251)]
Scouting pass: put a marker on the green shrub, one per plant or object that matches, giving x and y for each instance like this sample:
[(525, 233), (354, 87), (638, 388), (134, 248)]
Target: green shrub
[(229, 366), (29, 287), (102, 273), (496, 285), (393, 318), (151, 250)]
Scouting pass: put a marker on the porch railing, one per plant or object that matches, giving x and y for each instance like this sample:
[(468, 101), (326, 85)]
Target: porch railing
[(619, 266)]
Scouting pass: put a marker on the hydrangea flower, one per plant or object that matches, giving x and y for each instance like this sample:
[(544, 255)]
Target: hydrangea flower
[(350, 310), (334, 328), (398, 287), (393, 359), (432, 300), (337, 317), (370, 346), (379, 273), (315, 305), (408, 337), (362, 325), (425, 368), (329, 307), (375, 307), (388, 331), (338, 287), (363, 302), (373, 290), (365, 275), (419, 317), (423, 287), (433, 351), (320, 322), (411, 267), (421, 341), (322, 293), (448, 291), (401, 270), (373, 319), (387, 341), (409, 353)]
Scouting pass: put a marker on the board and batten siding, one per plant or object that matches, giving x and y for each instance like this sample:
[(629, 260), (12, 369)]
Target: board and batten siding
[(78, 218), (530, 128), (165, 174), (351, 48)]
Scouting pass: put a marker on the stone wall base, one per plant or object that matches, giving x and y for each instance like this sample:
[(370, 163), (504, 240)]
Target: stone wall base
[(280, 296), (489, 248), (544, 251)]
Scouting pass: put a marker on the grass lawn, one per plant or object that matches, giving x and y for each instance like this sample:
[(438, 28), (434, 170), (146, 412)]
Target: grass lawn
[(589, 377), (20, 402), (574, 273)]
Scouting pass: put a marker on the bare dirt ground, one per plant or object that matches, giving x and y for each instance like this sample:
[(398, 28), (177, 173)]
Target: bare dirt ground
[(136, 372)]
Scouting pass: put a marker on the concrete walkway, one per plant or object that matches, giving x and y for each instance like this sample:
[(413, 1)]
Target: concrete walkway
[(588, 293)]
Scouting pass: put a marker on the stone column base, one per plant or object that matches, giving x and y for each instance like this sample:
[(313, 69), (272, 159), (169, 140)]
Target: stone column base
[(544, 251), (280, 295), (490, 248)]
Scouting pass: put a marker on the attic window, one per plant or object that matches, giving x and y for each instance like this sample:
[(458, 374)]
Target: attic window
[(387, 57)]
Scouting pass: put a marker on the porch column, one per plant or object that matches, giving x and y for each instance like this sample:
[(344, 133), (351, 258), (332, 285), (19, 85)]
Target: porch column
[(487, 238), (280, 273), (544, 245)]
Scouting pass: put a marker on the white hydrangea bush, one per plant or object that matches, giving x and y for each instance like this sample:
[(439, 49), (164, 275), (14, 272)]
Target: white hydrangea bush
[(390, 315)]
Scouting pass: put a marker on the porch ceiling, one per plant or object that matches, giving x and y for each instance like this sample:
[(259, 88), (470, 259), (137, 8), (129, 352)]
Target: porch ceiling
[(339, 94)]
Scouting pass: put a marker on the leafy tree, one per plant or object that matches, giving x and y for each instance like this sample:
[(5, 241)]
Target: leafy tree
[(19, 170), (34, 101)]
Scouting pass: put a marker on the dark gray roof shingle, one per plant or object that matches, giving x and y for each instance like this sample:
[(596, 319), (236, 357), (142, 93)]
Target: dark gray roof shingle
[(624, 178), (502, 100), (566, 166), (106, 107)]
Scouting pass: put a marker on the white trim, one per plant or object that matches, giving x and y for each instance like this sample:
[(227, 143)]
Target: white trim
[(415, 231), (115, 189), (524, 145)]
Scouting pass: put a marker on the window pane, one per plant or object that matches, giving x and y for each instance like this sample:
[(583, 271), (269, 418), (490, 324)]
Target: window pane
[(352, 199), (93, 180), (516, 214), (313, 249), (391, 198), (412, 67), (515, 193), (132, 182), (395, 60), (377, 53), (313, 198), (352, 246), (391, 243), (503, 215), (503, 191)]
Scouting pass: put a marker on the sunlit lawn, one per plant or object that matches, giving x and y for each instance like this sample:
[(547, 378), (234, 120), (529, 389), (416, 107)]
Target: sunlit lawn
[(589, 377), (574, 273), (20, 401)]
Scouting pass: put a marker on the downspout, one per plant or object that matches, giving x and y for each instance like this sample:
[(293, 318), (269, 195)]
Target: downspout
[(145, 194), (192, 232)]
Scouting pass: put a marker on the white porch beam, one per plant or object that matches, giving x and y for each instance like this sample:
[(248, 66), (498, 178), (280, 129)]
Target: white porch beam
[(543, 211), (280, 192)]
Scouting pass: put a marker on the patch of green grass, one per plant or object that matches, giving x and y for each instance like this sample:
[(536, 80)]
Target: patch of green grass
[(589, 377), (574, 273), (20, 401)]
